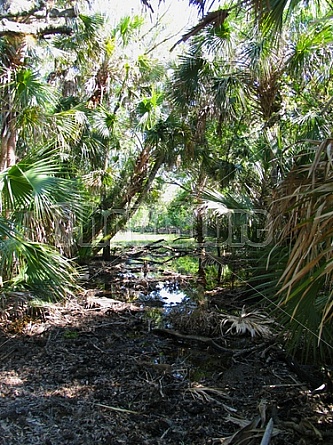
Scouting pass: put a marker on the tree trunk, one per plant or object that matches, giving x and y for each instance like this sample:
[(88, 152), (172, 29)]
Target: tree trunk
[(8, 142), (200, 227), (119, 206), (201, 245)]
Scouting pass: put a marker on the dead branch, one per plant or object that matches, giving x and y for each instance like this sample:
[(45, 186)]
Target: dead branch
[(214, 18), (207, 340)]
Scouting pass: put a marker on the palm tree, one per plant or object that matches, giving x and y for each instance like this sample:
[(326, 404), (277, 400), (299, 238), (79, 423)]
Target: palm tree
[(281, 92), (269, 14), (33, 203), (128, 132), (34, 197)]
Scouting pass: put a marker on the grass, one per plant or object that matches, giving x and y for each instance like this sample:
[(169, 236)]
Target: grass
[(135, 237)]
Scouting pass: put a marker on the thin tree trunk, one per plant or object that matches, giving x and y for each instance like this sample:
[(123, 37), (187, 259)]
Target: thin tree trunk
[(200, 228), (201, 244), (119, 223), (8, 143), (118, 205)]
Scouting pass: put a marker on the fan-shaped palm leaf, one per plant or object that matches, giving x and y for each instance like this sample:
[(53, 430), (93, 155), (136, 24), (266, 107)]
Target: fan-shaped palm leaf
[(35, 184), (34, 266)]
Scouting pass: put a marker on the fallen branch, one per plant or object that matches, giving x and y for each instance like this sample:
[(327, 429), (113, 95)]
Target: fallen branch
[(116, 408), (206, 340)]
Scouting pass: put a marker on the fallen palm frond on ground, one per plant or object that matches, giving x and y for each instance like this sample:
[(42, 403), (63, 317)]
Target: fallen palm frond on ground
[(206, 394), (253, 322), (249, 431)]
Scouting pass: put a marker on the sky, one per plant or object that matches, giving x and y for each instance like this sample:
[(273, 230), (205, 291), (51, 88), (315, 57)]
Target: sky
[(175, 14), (177, 11)]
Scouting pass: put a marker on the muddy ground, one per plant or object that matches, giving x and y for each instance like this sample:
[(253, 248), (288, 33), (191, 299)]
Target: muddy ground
[(110, 368)]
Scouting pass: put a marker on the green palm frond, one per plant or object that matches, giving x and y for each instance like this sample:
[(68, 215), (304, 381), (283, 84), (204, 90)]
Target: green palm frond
[(87, 43), (169, 132), (187, 79), (67, 128), (215, 40), (43, 206), (269, 14), (29, 90), (224, 202), (128, 26), (35, 184), (45, 272), (257, 49), (272, 14), (230, 92), (309, 50), (149, 109), (34, 266), (104, 122)]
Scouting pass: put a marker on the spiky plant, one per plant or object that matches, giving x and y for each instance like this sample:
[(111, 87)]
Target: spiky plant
[(34, 267), (302, 222), (252, 322)]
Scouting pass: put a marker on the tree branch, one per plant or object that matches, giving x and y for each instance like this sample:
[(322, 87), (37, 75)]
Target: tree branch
[(21, 11), (214, 18), (9, 27)]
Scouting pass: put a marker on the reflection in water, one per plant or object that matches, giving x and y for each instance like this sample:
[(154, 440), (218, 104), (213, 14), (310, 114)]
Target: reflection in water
[(171, 297), (168, 293)]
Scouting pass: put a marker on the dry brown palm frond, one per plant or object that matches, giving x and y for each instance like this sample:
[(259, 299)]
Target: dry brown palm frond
[(305, 219), (267, 86), (249, 431), (302, 216), (253, 322), (206, 392)]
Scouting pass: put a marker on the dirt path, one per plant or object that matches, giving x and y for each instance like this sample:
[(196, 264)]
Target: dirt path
[(88, 375)]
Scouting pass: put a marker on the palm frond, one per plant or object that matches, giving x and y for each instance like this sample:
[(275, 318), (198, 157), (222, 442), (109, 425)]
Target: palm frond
[(308, 50), (42, 204), (29, 90), (35, 184), (303, 219), (252, 322), (226, 202), (45, 272), (25, 265), (187, 79), (230, 93)]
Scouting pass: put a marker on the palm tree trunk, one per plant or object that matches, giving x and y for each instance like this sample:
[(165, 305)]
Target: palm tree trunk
[(8, 142)]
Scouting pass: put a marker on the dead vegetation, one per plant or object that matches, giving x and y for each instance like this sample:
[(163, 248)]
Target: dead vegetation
[(101, 370)]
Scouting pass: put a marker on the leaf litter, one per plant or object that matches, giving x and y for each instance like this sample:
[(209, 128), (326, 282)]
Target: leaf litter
[(93, 371)]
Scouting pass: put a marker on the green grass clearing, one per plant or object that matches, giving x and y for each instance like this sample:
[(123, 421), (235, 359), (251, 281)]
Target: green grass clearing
[(129, 237)]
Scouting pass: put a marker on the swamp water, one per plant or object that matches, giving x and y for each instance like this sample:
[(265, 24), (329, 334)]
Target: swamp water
[(173, 302), (165, 294)]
